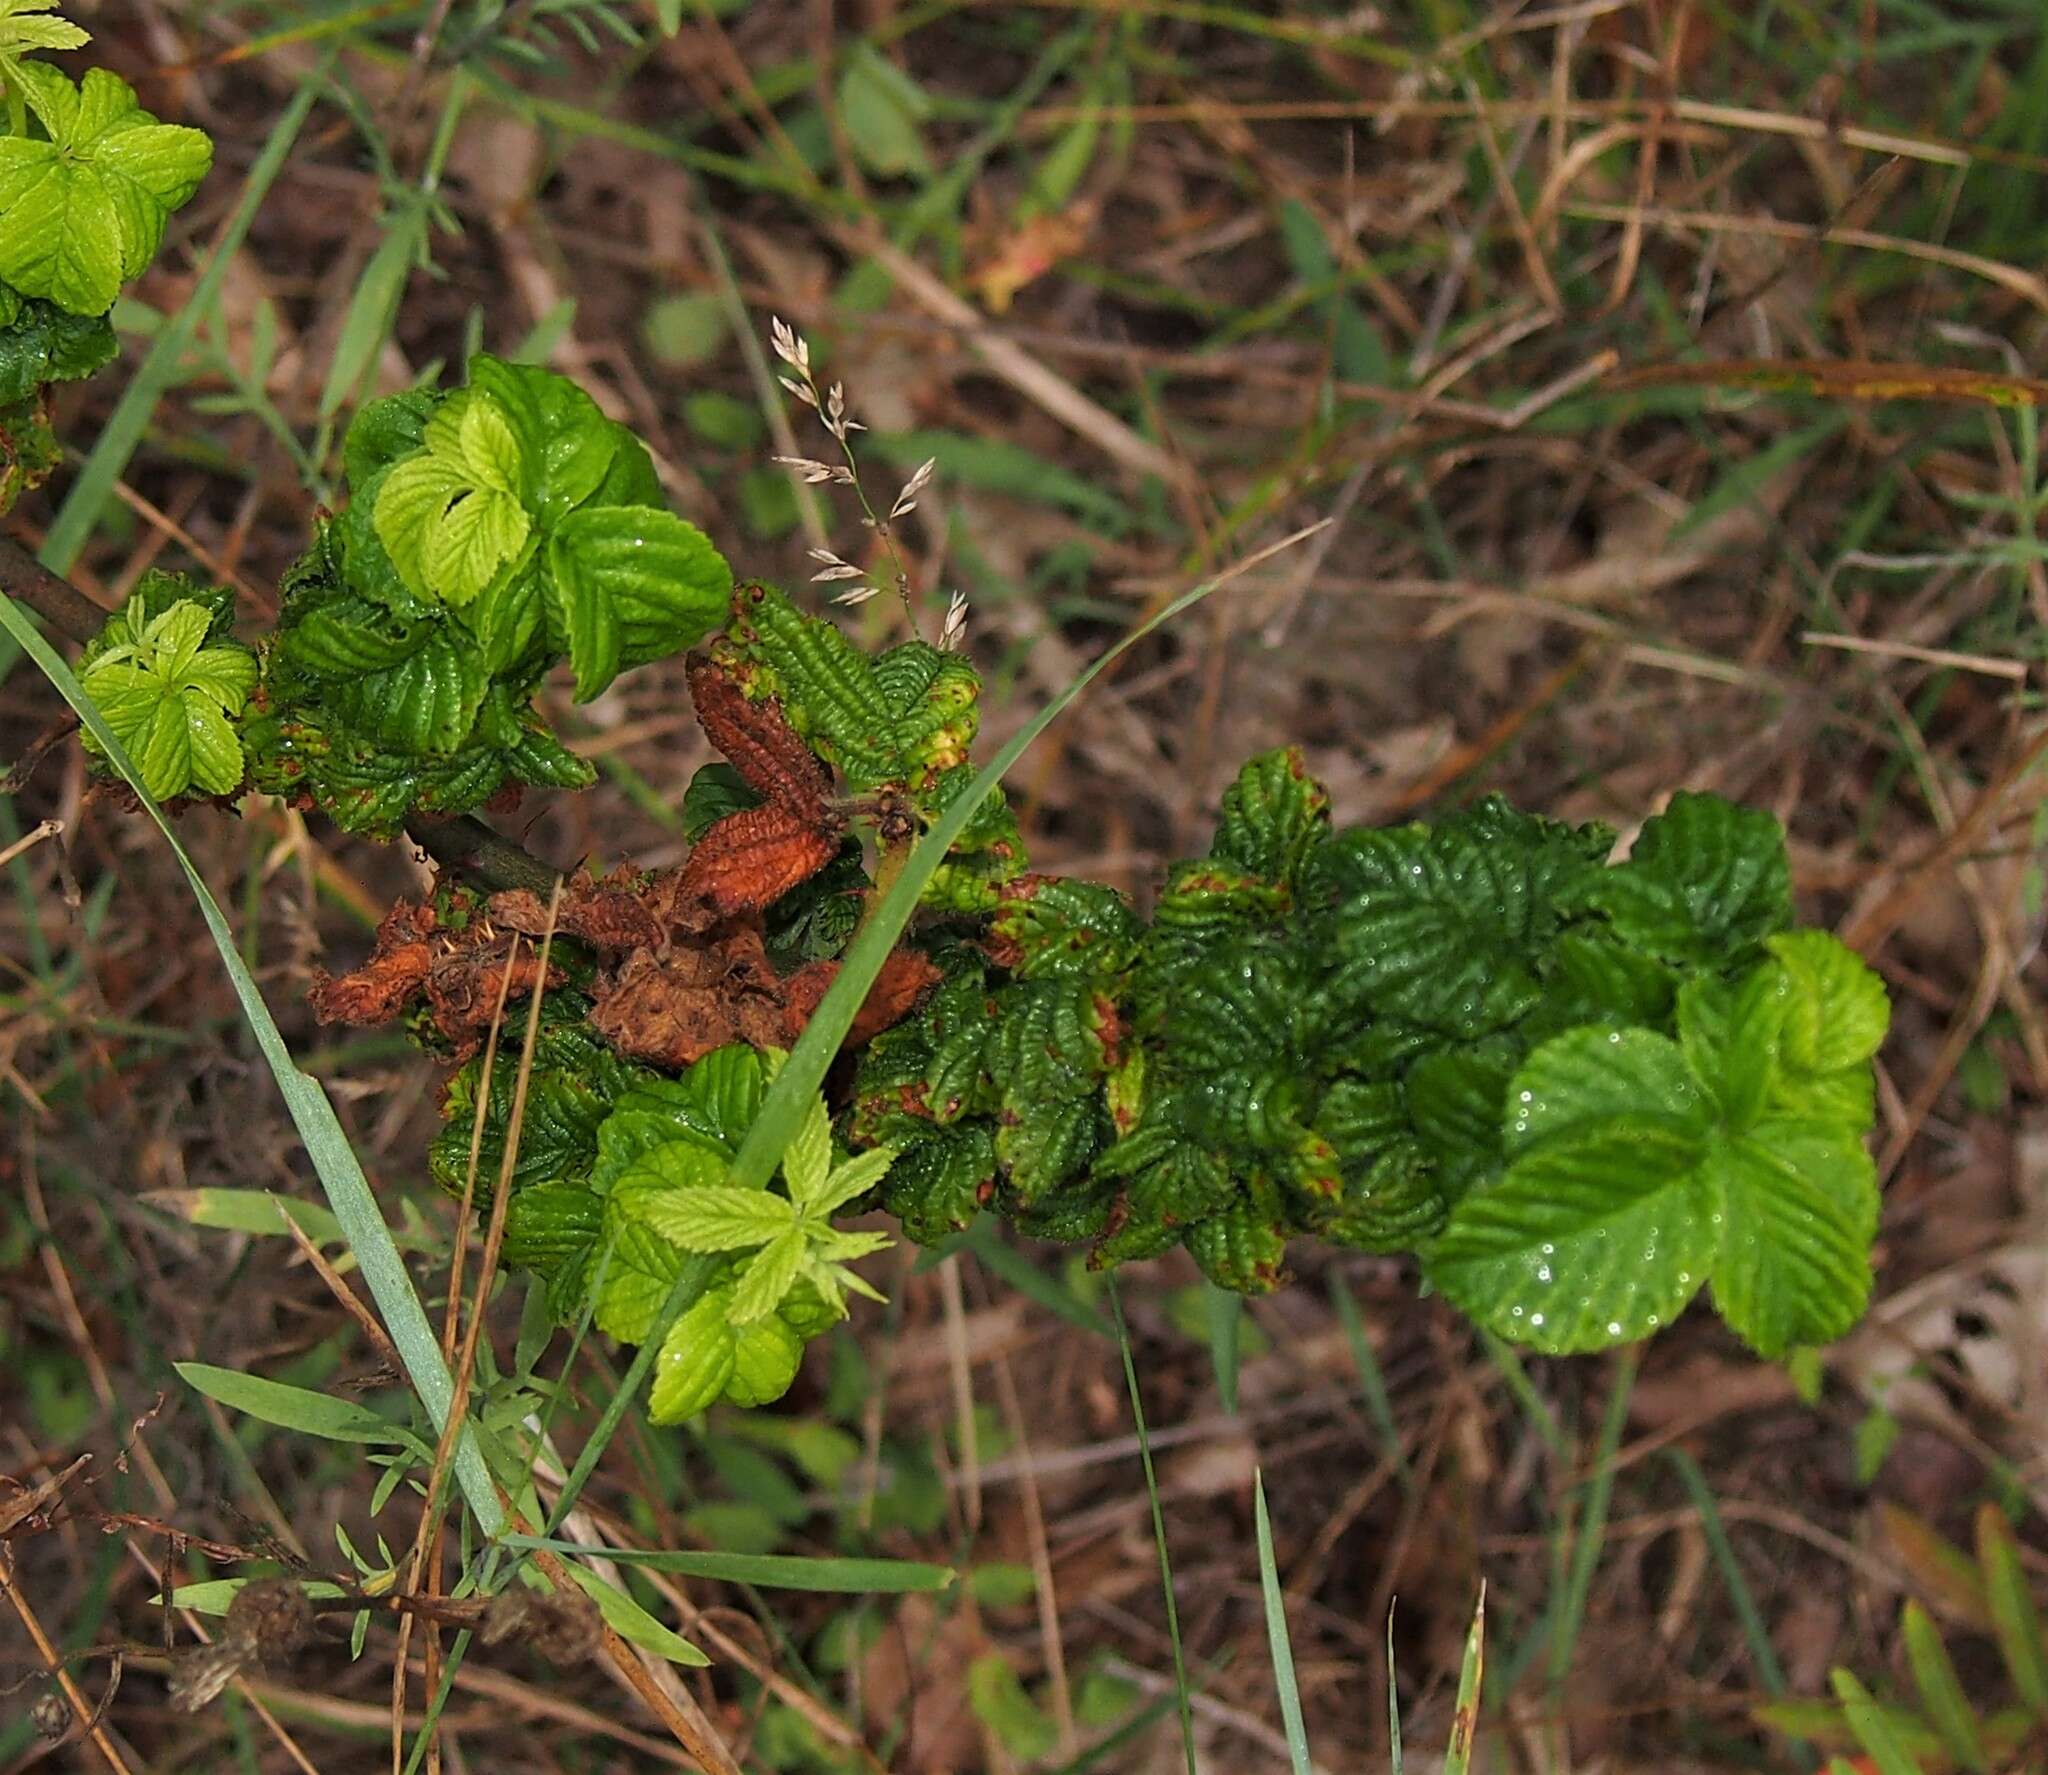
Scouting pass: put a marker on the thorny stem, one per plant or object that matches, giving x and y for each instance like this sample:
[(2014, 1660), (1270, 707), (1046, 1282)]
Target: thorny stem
[(466, 844)]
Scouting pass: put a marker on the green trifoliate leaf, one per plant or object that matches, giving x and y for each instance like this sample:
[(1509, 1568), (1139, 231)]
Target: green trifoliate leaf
[(571, 447), (631, 584), (1705, 885), (84, 211), (170, 696), (451, 517), (1800, 1205)]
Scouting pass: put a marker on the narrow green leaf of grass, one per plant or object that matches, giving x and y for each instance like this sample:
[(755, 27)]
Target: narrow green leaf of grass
[(1471, 1674), (1593, 1520), (1372, 1380), (1223, 1311), (1873, 1731), (1941, 1690), (627, 1618), (771, 1571), (255, 1211), (289, 1407), (213, 1596), (334, 1160), (1755, 1635), (1393, 1702), (1277, 1646), (803, 1074), (373, 309), (1524, 1390), (117, 443), (2014, 1618), (1180, 1663)]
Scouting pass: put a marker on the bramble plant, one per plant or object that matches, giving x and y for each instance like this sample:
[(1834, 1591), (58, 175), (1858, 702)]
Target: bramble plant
[(88, 180), (1578, 1088)]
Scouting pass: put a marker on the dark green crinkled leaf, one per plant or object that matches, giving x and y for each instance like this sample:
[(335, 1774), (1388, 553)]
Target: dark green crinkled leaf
[(1706, 884), (631, 584), (43, 343), (1273, 816)]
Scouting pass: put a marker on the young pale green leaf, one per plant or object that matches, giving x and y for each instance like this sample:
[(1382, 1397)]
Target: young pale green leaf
[(291, 1408), (21, 33), (1799, 1201), (808, 1162), (169, 697), (765, 1357), (452, 516), (697, 1360), (1594, 1079), (768, 1277), (631, 584), (1836, 1008), (852, 1180), (83, 212), (716, 1217)]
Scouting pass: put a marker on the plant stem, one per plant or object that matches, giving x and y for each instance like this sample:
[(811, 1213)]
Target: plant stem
[(466, 844)]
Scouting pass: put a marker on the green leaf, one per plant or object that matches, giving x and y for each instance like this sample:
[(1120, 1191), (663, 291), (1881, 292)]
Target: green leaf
[(880, 108), (768, 1277), (766, 1355), (1730, 1035), (1273, 816), (996, 1694), (570, 452), (631, 1622), (291, 1408), (83, 212), (687, 329), (1874, 1732), (20, 34), (452, 516), (1590, 1240), (1800, 1201), (42, 343), (2015, 1618), (632, 584), (1706, 884), (1836, 1009), (848, 1577), (168, 697), (808, 1160), (715, 1217), (696, 1362), (1941, 1690)]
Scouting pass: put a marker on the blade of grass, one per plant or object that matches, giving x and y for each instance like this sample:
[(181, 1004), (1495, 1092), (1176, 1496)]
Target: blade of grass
[(1180, 1663), (1873, 1731), (1593, 1522), (1941, 1690), (1471, 1674), (1372, 1382), (1277, 1645), (772, 1571), (1755, 1635), (334, 1160), (1393, 1703), (1223, 1311)]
